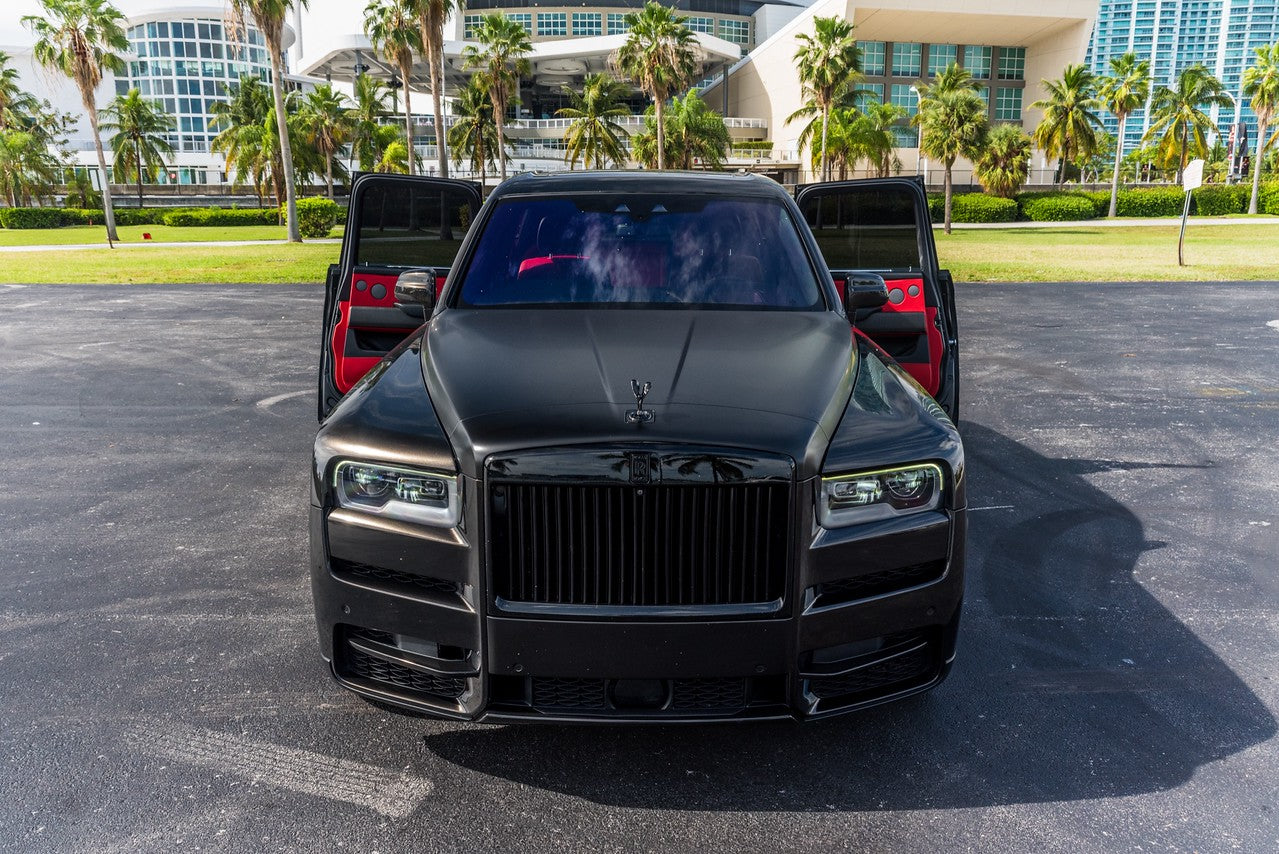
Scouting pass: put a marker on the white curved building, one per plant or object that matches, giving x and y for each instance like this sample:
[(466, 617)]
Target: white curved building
[(182, 55)]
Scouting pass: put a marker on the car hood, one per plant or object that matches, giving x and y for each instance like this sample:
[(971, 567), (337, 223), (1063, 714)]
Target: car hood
[(505, 379)]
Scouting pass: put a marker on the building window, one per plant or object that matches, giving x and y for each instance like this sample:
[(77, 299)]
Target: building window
[(941, 57), (872, 58), (905, 136), (869, 94), (977, 61), (906, 58), (1008, 105), (904, 96), (470, 22), (738, 32), (1012, 63), (587, 24), (702, 25), (617, 24), (552, 23), (524, 19)]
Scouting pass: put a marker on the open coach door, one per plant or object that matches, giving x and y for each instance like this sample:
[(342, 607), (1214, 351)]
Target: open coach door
[(394, 223), (882, 226)]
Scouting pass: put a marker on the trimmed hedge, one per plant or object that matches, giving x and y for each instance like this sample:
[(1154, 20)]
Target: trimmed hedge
[(1267, 199), (1151, 203), (972, 207), (316, 217), (31, 217), (1064, 208), (1220, 200), (199, 217)]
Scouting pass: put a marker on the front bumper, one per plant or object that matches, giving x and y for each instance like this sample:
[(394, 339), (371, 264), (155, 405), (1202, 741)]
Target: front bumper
[(871, 616)]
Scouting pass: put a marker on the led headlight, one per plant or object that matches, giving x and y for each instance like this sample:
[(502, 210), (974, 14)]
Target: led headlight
[(427, 498), (850, 499)]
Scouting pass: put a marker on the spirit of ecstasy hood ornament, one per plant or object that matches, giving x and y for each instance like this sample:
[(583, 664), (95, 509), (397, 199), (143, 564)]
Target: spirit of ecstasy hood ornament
[(640, 415)]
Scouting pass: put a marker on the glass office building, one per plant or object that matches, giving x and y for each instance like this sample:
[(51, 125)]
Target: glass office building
[(1175, 34)]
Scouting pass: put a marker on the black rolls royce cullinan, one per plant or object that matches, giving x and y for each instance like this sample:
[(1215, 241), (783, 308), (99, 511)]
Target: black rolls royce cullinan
[(637, 447)]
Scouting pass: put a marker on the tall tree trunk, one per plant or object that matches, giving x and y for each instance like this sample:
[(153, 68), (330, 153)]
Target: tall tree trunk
[(328, 173), (435, 65), (137, 156), (1119, 156), (286, 150), (659, 110), (1185, 133), (825, 125), (499, 119), (408, 117), (947, 218), (1263, 123), (108, 211)]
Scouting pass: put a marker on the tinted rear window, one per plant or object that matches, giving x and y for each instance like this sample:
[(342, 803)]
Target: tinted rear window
[(866, 229), (648, 250)]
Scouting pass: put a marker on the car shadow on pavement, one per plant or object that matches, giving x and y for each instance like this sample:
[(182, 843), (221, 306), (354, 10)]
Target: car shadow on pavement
[(1072, 682)]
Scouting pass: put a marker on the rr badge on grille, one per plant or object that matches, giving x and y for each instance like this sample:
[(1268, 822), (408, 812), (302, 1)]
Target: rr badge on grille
[(640, 415)]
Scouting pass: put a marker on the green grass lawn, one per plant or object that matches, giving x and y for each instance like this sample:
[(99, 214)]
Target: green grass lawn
[(1083, 254), (1243, 252), (77, 234)]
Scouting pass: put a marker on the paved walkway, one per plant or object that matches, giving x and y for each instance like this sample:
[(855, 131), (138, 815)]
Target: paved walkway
[(147, 244), (1122, 222)]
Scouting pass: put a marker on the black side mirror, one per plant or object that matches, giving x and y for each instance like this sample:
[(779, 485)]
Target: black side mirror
[(864, 290), (415, 291)]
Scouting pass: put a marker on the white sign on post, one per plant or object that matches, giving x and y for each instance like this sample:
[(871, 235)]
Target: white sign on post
[(1192, 178)]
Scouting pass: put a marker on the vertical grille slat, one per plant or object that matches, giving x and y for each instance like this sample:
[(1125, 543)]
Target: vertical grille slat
[(626, 546)]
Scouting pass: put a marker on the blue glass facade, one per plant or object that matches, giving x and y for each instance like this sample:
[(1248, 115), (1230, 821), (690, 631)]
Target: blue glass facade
[(1174, 34)]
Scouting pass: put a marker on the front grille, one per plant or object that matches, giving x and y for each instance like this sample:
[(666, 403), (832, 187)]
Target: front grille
[(686, 696), (630, 546), (877, 583), (569, 694), (904, 668)]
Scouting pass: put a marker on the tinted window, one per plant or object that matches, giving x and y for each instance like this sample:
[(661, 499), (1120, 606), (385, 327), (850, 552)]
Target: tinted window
[(866, 229), (411, 226), (651, 250)]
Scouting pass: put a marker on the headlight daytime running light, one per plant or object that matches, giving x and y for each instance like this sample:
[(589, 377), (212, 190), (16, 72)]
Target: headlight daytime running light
[(851, 499), (409, 495)]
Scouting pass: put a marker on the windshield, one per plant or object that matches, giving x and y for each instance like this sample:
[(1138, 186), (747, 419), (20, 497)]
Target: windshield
[(641, 250)]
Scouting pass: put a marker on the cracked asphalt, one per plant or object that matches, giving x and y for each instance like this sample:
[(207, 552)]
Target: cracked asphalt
[(1116, 689)]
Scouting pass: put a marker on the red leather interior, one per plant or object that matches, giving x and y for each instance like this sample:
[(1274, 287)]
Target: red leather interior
[(349, 369)]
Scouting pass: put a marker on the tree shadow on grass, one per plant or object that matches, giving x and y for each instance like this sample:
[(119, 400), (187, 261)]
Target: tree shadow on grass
[(1072, 682)]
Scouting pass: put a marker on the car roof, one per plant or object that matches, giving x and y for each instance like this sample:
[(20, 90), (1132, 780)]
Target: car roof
[(637, 181)]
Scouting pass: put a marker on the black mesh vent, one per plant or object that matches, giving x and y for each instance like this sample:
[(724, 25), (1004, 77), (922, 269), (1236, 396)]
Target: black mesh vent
[(380, 577), (878, 583), (630, 546), (569, 694), (903, 668), (692, 694), (358, 664)]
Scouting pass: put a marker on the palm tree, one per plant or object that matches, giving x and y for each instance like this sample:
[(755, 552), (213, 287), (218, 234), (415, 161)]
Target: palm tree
[(367, 137), (82, 38), (1004, 163), (241, 138), (268, 16), (694, 133), (1261, 82), (952, 124), (474, 134), (395, 158), (873, 139), (502, 60), (658, 55), (1069, 126), (594, 136), (1125, 89), (432, 15), (140, 141), (18, 108), (27, 169), (1176, 119), (392, 28), (829, 63), (327, 122)]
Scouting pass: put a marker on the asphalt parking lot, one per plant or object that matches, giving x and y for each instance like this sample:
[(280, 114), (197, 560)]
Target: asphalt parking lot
[(1116, 690)]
